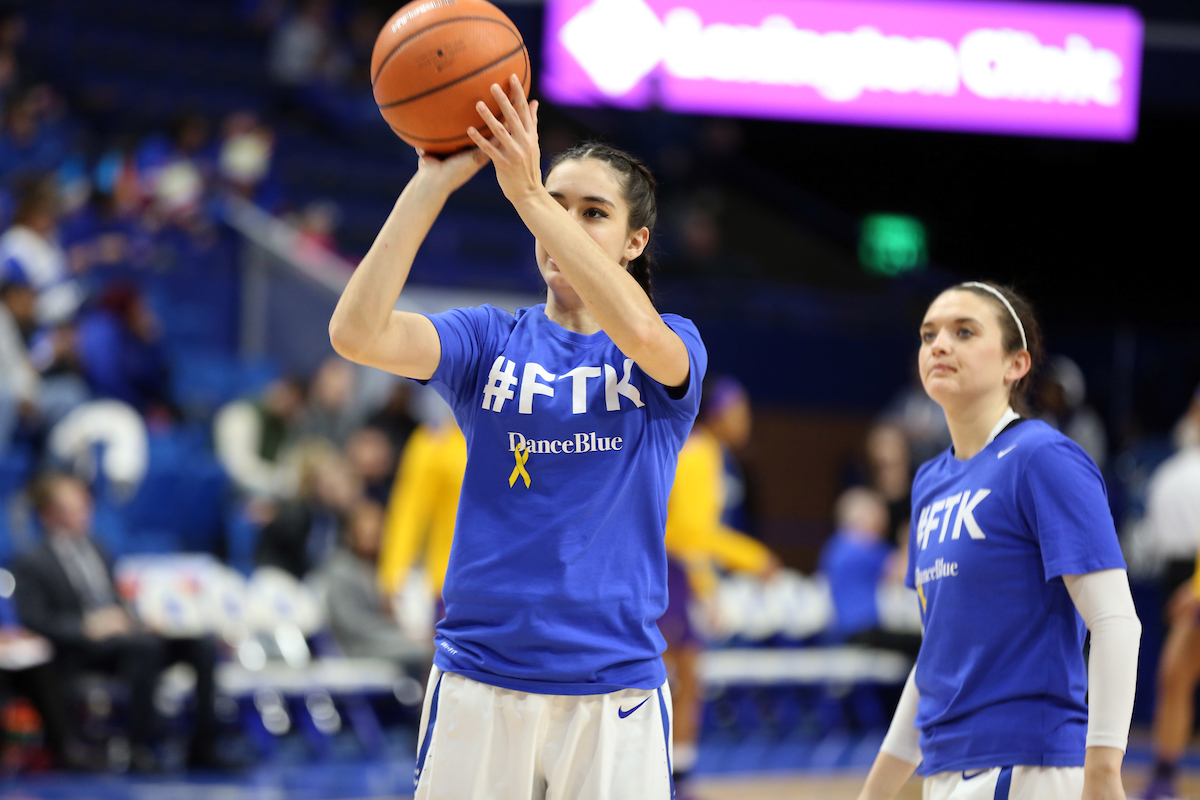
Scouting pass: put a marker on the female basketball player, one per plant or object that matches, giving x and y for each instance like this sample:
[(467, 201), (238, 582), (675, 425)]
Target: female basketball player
[(1012, 544), (548, 678)]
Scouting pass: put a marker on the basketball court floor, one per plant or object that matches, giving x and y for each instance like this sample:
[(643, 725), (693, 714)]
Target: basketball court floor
[(390, 781), (846, 787)]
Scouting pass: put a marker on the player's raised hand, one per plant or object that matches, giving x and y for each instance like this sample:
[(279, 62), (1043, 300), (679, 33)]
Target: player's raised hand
[(448, 174), (513, 147)]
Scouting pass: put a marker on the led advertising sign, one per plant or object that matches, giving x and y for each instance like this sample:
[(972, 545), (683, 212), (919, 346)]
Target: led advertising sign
[(1039, 69)]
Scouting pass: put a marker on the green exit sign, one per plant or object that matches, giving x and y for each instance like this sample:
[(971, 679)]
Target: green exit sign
[(892, 244)]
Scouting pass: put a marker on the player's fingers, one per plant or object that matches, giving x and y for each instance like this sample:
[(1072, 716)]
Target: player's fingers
[(512, 120), (533, 109), (485, 146), (517, 93), (503, 137)]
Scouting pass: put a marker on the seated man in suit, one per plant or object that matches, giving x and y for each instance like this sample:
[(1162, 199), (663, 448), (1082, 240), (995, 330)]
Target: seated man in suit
[(65, 592)]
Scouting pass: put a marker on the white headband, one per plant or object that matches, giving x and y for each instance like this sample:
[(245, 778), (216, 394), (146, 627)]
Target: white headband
[(1008, 305)]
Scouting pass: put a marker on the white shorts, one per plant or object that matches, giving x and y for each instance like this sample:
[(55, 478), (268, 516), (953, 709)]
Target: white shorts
[(1006, 783), (479, 742)]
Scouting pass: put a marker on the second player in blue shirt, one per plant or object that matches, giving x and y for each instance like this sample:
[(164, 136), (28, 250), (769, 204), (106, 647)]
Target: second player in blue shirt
[(1014, 557)]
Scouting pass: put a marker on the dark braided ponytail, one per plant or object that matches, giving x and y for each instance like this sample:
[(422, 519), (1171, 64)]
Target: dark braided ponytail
[(640, 190)]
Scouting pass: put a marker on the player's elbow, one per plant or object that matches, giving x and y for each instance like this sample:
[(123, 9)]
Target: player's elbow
[(346, 343), (644, 335)]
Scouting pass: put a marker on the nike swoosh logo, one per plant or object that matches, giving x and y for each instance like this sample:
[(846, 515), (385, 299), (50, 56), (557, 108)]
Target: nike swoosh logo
[(967, 777), (1005, 451), (622, 713)]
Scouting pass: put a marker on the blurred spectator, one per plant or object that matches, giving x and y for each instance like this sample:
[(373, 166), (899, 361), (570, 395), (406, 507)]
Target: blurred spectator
[(26, 670), (696, 534), (1062, 402), (889, 465), (9, 75), (423, 506), (30, 248), (921, 419), (1173, 524), (855, 561), (12, 27), (30, 144), (299, 534), (854, 558), (19, 381), (120, 348), (359, 616), (250, 436), (370, 455), (361, 32), (304, 49), (331, 414), (315, 228), (1171, 527), (188, 140), (394, 418), (245, 158), (65, 592)]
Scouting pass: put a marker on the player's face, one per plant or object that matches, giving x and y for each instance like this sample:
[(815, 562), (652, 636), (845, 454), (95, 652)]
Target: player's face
[(962, 357), (593, 195)]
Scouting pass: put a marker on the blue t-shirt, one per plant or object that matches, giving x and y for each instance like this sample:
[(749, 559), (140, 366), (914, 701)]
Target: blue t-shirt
[(558, 572), (853, 565), (1001, 672)]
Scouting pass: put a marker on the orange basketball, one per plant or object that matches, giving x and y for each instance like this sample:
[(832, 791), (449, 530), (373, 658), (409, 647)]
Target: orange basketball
[(434, 60)]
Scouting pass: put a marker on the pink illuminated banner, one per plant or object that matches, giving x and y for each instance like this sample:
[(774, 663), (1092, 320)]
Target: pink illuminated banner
[(1037, 69)]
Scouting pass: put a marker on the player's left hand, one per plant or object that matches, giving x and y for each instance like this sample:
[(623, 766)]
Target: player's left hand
[(513, 147)]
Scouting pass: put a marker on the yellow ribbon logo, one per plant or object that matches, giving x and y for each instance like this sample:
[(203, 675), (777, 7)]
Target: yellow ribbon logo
[(921, 594), (522, 455)]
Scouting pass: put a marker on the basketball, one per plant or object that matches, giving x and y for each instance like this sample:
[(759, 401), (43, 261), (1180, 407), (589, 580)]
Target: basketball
[(434, 60)]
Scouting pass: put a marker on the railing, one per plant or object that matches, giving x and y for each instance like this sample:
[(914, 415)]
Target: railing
[(289, 290)]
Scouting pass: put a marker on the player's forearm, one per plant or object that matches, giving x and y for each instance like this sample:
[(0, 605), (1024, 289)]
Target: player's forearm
[(616, 301), (900, 752), (888, 775), (1104, 601), (366, 304), (1103, 763)]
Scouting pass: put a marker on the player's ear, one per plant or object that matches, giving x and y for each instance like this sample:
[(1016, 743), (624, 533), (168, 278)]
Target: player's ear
[(1020, 366), (636, 244)]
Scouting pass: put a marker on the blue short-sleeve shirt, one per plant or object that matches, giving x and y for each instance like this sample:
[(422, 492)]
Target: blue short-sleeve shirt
[(1001, 673), (558, 574)]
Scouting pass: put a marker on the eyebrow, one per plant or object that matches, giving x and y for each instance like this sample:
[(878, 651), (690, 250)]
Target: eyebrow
[(959, 320), (588, 199)]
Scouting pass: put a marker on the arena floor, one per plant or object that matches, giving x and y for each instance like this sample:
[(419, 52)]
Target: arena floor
[(356, 782), (846, 787), (391, 779)]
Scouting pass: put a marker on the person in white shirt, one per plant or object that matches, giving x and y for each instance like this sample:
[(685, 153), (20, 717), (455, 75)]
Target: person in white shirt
[(19, 381), (31, 243)]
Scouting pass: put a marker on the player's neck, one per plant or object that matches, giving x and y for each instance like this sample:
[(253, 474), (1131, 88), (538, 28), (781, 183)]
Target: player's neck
[(571, 314), (970, 426)]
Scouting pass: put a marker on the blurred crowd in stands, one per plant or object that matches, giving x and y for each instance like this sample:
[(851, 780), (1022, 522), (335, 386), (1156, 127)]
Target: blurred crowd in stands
[(339, 484)]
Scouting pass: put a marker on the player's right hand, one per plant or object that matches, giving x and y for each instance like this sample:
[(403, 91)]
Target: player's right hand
[(448, 174)]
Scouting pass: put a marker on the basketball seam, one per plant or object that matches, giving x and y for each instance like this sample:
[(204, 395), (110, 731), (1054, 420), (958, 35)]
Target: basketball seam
[(459, 79), (401, 133), (426, 30)]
